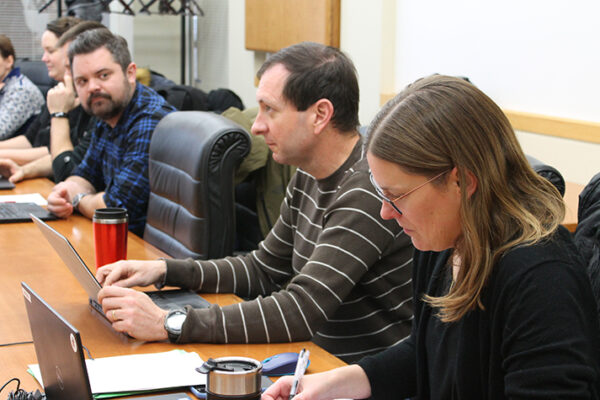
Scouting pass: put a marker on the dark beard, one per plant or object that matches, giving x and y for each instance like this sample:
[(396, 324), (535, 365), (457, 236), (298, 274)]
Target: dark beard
[(105, 113)]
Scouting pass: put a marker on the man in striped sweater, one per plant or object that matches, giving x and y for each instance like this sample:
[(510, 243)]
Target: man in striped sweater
[(330, 270)]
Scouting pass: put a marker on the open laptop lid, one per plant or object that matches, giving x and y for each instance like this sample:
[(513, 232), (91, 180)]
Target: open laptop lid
[(58, 349), (70, 257), (165, 299)]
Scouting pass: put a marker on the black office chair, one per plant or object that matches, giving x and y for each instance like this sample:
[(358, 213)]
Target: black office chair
[(193, 157), (587, 233), (548, 172), (37, 72)]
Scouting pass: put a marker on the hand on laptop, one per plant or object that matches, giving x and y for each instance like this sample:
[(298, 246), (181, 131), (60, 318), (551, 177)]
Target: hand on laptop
[(11, 170), (132, 273), (133, 312)]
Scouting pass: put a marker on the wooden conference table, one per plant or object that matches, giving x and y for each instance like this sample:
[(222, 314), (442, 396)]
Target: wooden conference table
[(26, 256)]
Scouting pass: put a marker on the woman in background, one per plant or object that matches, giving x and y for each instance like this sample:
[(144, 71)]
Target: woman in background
[(20, 99), (503, 305)]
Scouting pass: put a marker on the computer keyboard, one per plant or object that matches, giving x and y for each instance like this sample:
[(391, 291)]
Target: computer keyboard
[(19, 212)]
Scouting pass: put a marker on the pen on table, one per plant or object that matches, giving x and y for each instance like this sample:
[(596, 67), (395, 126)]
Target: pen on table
[(300, 369)]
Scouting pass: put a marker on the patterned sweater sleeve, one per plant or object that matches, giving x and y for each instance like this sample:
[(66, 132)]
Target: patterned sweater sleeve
[(289, 304), (19, 102)]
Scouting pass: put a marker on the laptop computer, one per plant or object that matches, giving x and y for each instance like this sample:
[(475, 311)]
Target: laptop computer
[(19, 212), (166, 299), (58, 349), (5, 184), (60, 353)]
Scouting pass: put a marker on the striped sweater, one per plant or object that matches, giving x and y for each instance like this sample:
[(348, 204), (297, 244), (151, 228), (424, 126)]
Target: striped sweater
[(330, 270)]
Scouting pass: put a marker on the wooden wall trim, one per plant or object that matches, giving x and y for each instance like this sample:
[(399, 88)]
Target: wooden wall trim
[(554, 126), (585, 131)]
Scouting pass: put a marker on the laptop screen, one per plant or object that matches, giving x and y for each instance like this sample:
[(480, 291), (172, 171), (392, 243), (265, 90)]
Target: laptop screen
[(70, 257), (58, 349)]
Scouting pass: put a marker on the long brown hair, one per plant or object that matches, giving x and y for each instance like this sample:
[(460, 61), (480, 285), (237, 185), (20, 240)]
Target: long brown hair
[(440, 122)]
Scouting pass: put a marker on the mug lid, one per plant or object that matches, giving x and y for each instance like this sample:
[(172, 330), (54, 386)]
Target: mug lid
[(114, 214), (230, 365)]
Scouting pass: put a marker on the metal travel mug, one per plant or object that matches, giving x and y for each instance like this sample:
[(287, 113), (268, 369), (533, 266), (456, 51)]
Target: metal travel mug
[(110, 235), (232, 378)]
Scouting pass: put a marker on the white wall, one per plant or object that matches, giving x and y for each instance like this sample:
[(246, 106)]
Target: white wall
[(242, 63), (535, 56), (538, 56)]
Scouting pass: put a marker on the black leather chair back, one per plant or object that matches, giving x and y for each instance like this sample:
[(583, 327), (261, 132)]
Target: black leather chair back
[(193, 157), (548, 172)]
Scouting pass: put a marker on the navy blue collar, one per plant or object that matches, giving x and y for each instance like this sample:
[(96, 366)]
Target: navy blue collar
[(16, 71)]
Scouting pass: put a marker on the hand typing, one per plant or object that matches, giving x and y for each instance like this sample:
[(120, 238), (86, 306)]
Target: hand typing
[(133, 312), (132, 273)]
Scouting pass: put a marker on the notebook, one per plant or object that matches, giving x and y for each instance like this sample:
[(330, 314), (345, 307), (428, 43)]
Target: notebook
[(5, 184), (166, 299), (20, 212), (60, 353)]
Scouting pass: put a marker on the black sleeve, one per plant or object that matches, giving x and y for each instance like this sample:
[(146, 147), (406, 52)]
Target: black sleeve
[(39, 123), (392, 373), (64, 164)]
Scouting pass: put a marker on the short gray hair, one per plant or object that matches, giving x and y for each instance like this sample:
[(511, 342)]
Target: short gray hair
[(90, 41)]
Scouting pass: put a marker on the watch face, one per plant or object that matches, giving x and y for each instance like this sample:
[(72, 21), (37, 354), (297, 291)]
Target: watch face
[(175, 322)]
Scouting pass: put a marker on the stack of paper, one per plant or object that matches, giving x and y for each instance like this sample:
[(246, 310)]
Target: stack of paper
[(24, 198), (116, 376)]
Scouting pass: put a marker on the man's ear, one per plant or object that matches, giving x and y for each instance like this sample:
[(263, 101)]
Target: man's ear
[(131, 69), (323, 112)]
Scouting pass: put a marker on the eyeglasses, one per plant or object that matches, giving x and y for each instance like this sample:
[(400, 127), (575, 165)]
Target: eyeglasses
[(379, 190)]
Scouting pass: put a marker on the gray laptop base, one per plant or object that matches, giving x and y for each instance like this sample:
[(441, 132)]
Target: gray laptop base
[(19, 212), (166, 299), (60, 353)]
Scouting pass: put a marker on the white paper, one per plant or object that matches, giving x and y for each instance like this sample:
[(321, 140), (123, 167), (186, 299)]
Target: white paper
[(139, 372), (24, 198)]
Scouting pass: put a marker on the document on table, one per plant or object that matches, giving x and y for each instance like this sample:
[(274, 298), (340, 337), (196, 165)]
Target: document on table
[(140, 372), (24, 198)]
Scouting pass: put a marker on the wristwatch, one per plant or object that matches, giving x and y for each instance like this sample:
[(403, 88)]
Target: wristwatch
[(173, 323), (76, 199), (59, 114)]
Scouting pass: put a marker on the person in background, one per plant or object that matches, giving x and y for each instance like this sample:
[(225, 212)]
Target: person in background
[(114, 170), (34, 143), (330, 270), (20, 99), (503, 304), (70, 126)]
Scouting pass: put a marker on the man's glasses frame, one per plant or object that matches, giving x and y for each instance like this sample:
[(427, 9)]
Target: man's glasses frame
[(379, 190)]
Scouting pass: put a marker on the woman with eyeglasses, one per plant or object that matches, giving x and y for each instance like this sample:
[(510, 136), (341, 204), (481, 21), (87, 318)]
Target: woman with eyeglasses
[(503, 304)]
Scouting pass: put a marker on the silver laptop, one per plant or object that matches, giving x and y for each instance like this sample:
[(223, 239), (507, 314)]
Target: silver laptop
[(165, 299), (58, 349), (60, 353)]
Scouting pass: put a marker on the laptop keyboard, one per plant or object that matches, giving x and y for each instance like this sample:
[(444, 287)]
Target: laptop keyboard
[(20, 210)]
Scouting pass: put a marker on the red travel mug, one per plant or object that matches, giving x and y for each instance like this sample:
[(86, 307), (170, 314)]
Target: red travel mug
[(110, 235)]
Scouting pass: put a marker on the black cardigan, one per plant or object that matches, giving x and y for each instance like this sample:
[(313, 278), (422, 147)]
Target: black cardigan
[(539, 336)]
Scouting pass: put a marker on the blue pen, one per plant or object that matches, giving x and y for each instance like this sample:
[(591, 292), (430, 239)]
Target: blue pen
[(299, 373)]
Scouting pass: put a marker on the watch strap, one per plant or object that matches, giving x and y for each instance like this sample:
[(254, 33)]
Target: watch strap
[(59, 114)]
